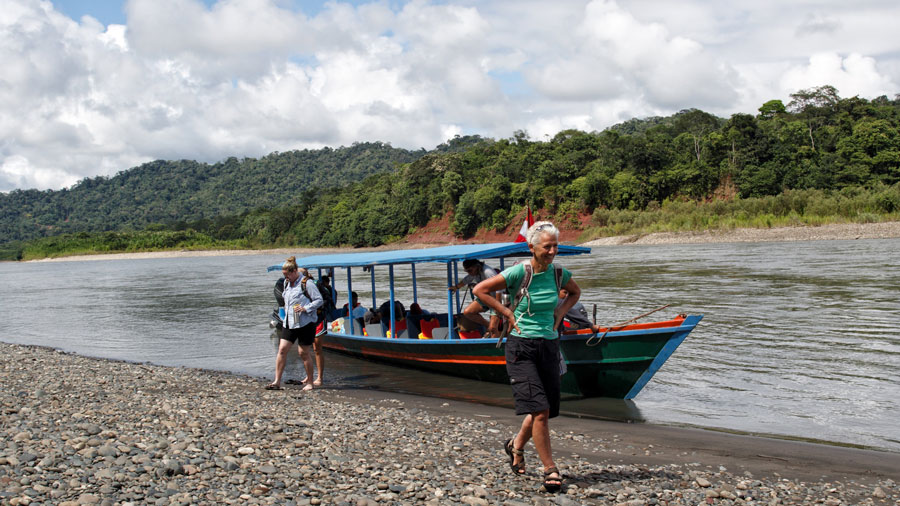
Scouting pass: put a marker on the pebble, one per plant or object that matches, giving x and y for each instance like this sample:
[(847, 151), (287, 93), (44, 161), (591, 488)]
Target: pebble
[(180, 436)]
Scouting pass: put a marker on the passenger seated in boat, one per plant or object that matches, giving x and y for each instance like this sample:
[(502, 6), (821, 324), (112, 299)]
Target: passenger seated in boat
[(358, 311), (371, 316), (416, 310), (415, 317), (384, 311), (477, 272)]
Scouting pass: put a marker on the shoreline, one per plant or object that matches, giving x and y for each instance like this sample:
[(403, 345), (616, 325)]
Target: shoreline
[(832, 232), (79, 430)]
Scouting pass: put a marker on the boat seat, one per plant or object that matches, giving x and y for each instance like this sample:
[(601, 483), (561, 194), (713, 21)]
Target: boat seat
[(440, 333), (374, 330), (357, 326)]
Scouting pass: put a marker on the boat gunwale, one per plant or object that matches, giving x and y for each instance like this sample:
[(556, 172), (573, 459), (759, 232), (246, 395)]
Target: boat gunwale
[(625, 332)]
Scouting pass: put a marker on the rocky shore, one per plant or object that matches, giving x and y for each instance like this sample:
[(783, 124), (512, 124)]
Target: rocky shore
[(77, 430)]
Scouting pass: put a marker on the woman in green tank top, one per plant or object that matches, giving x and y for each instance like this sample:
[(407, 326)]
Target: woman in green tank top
[(532, 348)]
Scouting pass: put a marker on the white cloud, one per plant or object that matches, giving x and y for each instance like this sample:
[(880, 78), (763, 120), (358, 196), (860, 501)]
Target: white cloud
[(853, 75), (247, 77)]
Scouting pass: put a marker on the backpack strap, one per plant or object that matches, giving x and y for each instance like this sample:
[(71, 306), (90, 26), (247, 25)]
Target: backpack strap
[(522, 292), (303, 286)]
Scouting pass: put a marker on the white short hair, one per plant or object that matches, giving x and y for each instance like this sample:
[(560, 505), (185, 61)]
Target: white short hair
[(541, 227)]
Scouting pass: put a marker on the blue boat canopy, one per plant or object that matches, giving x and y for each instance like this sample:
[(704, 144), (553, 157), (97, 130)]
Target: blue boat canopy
[(442, 254)]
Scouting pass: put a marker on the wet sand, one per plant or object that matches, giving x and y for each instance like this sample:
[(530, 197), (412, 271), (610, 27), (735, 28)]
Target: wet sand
[(77, 430)]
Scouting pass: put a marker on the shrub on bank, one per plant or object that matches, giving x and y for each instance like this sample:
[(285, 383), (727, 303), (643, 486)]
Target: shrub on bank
[(790, 208)]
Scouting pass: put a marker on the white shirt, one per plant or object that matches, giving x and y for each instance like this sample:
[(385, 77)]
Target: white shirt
[(293, 294), (486, 273)]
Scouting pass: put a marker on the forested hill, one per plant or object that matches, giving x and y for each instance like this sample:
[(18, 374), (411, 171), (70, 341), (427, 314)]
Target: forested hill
[(167, 192), (818, 157)]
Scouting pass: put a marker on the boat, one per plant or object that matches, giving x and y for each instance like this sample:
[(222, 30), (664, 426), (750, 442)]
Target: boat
[(617, 363)]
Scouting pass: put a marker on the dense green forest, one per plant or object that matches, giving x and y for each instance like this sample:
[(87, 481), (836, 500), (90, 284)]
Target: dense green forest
[(178, 191), (818, 157)]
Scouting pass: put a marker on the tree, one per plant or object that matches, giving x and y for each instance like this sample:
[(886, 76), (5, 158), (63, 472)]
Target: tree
[(814, 105), (771, 109)]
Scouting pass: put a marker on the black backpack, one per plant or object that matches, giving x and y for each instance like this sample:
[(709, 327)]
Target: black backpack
[(328, 296)]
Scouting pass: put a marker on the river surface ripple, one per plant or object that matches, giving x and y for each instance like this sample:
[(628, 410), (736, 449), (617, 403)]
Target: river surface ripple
[(798, 339)]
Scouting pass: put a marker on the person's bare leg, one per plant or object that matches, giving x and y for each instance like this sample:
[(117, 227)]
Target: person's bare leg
[(495, 326), (305, 356), (522, 438), (541, 434), (320, 362), (284, 347), (473, 312)]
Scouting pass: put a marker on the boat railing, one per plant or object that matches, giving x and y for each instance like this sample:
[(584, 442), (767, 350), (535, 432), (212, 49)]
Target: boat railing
[(416, 326)]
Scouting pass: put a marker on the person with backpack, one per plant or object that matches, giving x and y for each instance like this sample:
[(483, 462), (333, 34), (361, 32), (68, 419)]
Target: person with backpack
[(477, 272), (322, 320), (301, 300), (532, 347)]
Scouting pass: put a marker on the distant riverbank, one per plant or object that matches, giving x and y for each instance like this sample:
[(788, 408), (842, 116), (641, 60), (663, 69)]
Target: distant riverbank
[(841, 231), (844, 231)]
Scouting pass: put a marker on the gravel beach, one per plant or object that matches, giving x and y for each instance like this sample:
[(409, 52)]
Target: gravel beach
[(79, 430)]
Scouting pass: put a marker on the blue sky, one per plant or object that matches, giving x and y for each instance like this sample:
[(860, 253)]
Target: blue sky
[(96, 87), (112, 12), (104, 11)]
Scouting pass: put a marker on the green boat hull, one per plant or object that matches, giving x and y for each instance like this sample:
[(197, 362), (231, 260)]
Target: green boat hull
[(619, 365)]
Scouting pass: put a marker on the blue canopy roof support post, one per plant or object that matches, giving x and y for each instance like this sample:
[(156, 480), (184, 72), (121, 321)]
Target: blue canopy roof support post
[(456, 282), (372, 272), (449, 299), (393, 318), (415, 292), (502, 263), (333, 285), (350, 303)]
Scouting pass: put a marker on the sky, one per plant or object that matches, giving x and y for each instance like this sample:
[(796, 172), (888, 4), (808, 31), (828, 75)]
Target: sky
[(95, 87)]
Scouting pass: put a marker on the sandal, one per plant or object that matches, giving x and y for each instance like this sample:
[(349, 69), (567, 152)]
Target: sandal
[(510, 450), (552, 484), (273, 386)]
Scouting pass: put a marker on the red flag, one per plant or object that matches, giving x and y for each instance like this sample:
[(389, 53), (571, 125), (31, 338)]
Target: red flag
[(529, 221)]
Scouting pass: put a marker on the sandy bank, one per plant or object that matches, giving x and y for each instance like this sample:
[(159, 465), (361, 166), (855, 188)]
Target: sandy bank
[(849, 231), (845, 231)]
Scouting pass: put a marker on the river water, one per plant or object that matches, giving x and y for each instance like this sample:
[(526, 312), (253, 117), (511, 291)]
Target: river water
[(798, 339)]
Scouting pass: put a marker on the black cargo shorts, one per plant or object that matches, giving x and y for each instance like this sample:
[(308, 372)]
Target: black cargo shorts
[(533, 369)]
